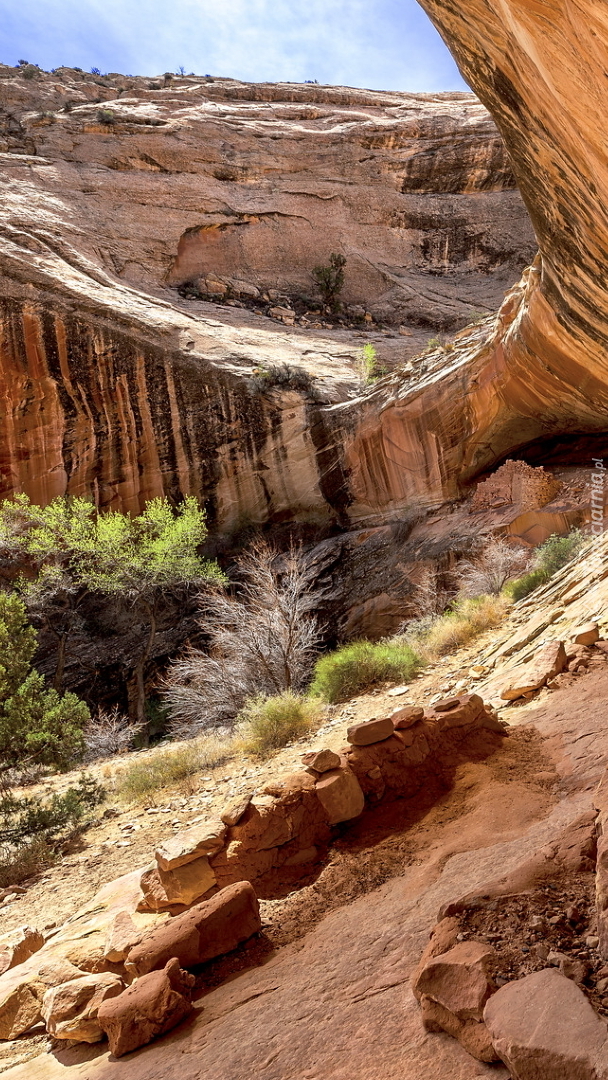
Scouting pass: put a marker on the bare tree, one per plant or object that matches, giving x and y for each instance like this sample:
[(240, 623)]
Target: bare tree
[(430, 596), (491, 568), (109, 733), (261, 641)]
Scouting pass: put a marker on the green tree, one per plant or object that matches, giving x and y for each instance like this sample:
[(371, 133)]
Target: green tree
[(73, 550), (138, 559), (48, 540), (330, 280), (36, 724)]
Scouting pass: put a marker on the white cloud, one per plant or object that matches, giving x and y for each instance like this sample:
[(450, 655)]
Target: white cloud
[(390, 44)]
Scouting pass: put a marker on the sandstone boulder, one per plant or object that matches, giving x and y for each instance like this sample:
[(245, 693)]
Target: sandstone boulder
[(406, 716), (453, 988), (459, 711), (264, 825), (70, 1009), (17, 946), (587, 634), (548, 661), (446, 704), (171, 890), (443, 938), (472, 1035), (460, 979), (122, 936), (190, 844), (321, 760), (21, 994), (233, 812), (544, 1028), (149, 1007), (189, 882), (370, 731), (210, 929), (340, 795)]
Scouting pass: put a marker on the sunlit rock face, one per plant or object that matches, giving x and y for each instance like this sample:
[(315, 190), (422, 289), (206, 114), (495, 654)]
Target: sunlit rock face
[(116, 190), (263, 182), (541, 71)]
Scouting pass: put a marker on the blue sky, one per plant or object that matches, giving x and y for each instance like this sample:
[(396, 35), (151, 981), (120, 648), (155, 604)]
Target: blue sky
[(389, 44)]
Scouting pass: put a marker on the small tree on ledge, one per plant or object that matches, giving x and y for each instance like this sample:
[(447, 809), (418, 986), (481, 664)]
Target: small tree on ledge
[(330, 280)]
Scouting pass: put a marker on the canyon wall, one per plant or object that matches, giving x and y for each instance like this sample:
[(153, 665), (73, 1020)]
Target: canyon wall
[(263, 182), (541, 71), (115, 189), (116, 385)]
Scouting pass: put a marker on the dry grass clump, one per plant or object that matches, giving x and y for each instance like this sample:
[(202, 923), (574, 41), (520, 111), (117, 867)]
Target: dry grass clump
[(467, 619), (18, 864), (151, 775), (268, 723)]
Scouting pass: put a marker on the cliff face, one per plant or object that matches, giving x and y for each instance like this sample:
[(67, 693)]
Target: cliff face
[(263, 182), (112, 384), (541, 71)]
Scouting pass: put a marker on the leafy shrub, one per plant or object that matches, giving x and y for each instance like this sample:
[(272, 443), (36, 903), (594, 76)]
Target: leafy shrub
[(330, 280), (36, 724), (106, 116), (467, 619), (368, 365), (354, 668), (30, 71), (548, 559), (289, 376), (271, 722), (557, 551), (520, 587), (433, 343), (31, 830), (172, 767)]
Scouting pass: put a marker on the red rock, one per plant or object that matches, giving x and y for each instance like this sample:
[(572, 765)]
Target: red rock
[(70, 1009), (465, 709), (473, 1035), (446, 704), (210, 929), (17, 946), (587, 634), (122, 936), (187, 883), (406, 716), (189, 844), (370, 731), (443, 937), (321, 760), (459, 979), (233, 812), (265, 824), (172, 890), (151, 1006), (340, 794), (544, 1028), (453, 988), (547, 662)]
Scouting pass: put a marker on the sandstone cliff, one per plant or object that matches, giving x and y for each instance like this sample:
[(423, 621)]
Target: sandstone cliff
[(114, 385)]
